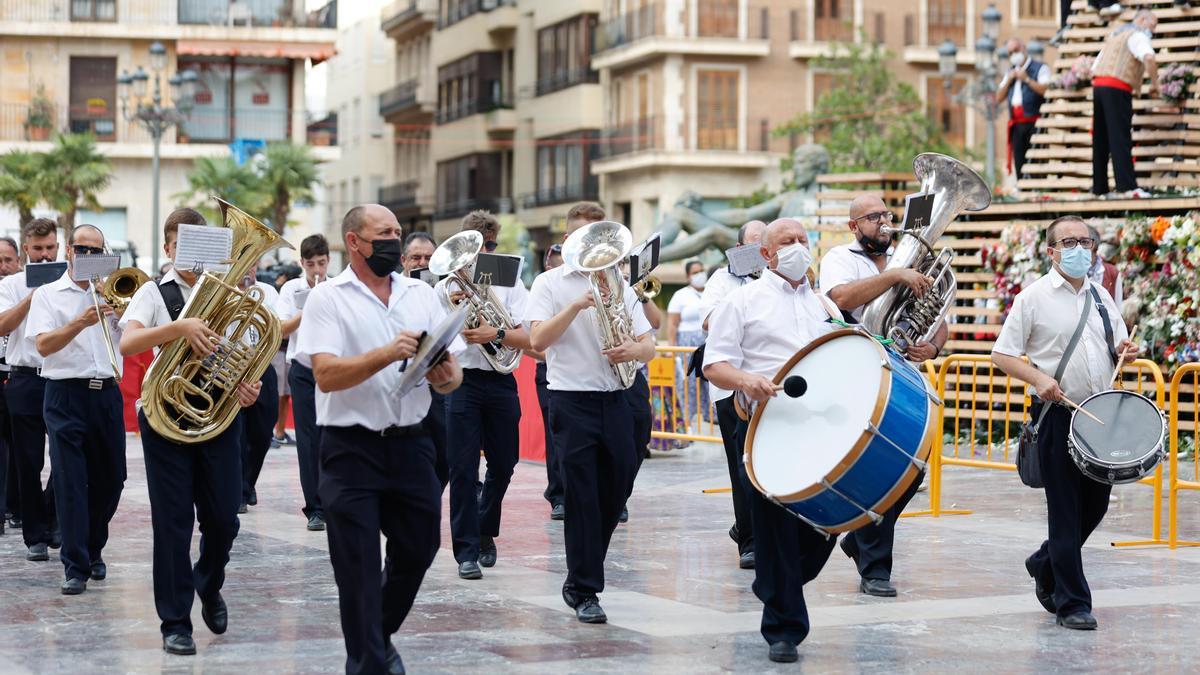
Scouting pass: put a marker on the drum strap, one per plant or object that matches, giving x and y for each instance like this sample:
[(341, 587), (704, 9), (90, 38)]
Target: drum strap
[(1108, 329), (1066, 357)]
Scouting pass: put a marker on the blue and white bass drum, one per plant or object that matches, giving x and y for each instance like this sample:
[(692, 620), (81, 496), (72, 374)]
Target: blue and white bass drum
[(849, 436)]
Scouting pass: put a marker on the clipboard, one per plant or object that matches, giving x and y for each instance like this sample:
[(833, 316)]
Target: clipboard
[(40, 274), (644, 258), (745, 260), (918, 208), (495, 269)]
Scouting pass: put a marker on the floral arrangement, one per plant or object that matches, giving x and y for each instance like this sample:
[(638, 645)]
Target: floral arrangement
[(1166, 300), (1078, 76), (1173, 82), (1016, 261)]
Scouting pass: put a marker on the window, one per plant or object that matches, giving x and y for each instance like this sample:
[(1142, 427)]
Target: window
[(227, 13), (1037, 10), (93, 105), (564, 54), (834, 20), (717, 109), (110, 221), (563, 168), (468, 183), (947, 21), (470, 85), (717, 18), (93, 10), (950, 116), (240, 98)]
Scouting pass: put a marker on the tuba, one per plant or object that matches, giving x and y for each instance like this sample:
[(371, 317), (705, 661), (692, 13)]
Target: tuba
[(453, 260), (898, 314), (189, 398), (119, 287), (598, 249)]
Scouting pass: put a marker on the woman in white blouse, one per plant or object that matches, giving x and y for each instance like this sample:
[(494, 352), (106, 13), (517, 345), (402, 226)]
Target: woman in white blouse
[(685, 327)]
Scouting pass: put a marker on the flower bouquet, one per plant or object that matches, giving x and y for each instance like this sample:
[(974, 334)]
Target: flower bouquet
[(1078, 76), (1173, 82)]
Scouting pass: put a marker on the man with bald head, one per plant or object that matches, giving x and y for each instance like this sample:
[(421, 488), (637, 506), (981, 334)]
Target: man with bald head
[(723, 282), (1024, 89), (852, 276), (752, 333)]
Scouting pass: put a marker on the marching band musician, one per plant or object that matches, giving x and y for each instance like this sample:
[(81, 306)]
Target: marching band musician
[(377, 461), (722, 283), (25, 393), (852, 275), (10, 263), (418, 249), (483, 413), (752, 333), (314, 258), (83, 411), (591, 419), (198, 481), (554, 488), (1040, 324), (258, 420)]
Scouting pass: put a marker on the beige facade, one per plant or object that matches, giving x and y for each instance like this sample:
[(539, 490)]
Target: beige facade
[(252, 86)]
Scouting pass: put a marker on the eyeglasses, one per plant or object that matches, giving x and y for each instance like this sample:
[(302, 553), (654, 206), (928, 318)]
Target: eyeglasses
[(1072, 242), (80, 249), (877, 217)]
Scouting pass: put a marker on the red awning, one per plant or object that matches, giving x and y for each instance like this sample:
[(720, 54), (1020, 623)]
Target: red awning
[(286, 50)]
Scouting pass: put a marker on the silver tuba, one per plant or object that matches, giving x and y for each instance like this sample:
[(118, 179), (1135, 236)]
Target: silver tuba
[(898, 314), (453, 260), (597, 249)]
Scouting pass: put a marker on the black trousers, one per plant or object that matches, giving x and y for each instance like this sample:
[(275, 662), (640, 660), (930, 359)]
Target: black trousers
[(86, 428), (643, 416), (8, 474), (594, 434), (554, 487), (308, 434), (1020, 138), (1075, 505), (787, 554), (1112, 134), (435, 424), (198, 481), (372, 484), (258, 427), (872, 545), (25, 393), (727, 421), (484, 413)]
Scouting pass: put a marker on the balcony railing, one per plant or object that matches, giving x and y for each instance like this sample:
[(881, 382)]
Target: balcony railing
[(714, 19), (256, 13), (586, 191), (400, 195), (635, 136), (563, 80), (461, 208), (649, 134), (495, 101), (453, 11), (398, 98)]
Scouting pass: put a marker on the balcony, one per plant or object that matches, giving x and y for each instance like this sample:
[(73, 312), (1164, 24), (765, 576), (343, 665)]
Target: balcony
[(502, 13), (405, 18), (718, 28), (563, 80), (406, 102), (461, 208), (402, 198), (654, 143), (484, 104), (323, 132), (588, 191)]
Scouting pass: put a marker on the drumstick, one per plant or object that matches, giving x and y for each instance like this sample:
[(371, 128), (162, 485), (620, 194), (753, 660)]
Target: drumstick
[(1076, 406), (1121, 358)]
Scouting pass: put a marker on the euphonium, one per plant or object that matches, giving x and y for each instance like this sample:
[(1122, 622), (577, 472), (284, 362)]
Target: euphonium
[(648, 288), (189, 398), (119, 287), (898, 314), (453, 260), (597, 249)]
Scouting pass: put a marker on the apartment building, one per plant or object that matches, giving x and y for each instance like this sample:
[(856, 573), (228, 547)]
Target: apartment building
[(63, 57)]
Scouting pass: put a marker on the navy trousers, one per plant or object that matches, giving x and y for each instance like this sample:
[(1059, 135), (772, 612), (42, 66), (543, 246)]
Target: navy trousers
[(25, 393), (872, 545), (258, 427), (727, 420), (435, 425), (554, 488), (87, 449), (308, 434), (8, 476)]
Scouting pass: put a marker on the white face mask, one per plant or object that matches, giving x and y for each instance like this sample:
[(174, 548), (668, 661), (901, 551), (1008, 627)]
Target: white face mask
[(1016, 58), (698, 279), (793, 261)]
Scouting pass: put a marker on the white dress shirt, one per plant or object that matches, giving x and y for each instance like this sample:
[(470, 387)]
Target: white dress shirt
[(686, 303), (147, 306), (12, 293), (764, 323), (342, 317), (1040, 325), (514, 299), (574, 362), (716, 290), (86, 356), (270, 299), (291, 296), (846, 264)]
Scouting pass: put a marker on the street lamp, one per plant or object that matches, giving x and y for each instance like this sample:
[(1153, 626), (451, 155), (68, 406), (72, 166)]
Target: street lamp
[(980, 94), (155, 115)]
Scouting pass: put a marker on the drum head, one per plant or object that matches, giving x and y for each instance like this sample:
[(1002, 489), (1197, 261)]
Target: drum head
[(1133, 427), (797, 442)]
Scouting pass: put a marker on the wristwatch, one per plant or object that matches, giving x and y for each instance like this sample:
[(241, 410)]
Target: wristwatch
[(499, 335)]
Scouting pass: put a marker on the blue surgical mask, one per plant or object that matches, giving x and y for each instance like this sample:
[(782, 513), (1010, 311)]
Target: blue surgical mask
[(1076, 262)]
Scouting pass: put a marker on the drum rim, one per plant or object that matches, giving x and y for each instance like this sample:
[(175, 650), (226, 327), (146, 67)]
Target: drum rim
[(1073, 446)]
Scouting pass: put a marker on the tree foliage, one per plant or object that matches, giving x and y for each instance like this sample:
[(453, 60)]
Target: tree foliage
[(21, 183), (74, 172), (266, 187)]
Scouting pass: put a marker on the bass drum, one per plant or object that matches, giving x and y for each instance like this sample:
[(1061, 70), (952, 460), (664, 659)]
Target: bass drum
[(848, 447), (1128, 446)]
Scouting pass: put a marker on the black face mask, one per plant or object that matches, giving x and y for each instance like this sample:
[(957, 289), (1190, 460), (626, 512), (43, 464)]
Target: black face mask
[(871, 247), (385, 256)]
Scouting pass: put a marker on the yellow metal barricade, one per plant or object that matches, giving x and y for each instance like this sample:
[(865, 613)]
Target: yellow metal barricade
[(1139, 376), (671, 397), (1189, 372)]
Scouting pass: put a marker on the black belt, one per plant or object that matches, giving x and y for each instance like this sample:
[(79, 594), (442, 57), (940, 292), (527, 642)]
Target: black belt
[(93, 383), (601, 395), (26, 370), (417, 429)]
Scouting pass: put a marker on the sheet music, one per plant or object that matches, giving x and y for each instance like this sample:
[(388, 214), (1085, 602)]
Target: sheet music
[(87, 267), (208, 248), (301, 297), (745, 259)]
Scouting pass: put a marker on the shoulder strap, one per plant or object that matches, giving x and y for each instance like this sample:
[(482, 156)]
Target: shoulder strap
[(172, 297), (1066, 357), (1108, 329)]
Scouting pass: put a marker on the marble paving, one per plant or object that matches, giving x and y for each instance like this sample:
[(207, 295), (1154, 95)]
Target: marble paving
[(675, 599)]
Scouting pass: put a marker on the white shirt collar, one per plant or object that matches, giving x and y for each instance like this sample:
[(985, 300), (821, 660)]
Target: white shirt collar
[(65, 283), (779, 283), (173, 275), (1057, 280)]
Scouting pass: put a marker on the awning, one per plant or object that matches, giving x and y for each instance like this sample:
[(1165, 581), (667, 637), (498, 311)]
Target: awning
[(318, 52)]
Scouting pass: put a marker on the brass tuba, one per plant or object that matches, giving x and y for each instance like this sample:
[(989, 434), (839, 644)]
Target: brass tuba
[(119, 287), (453, 260), (597, 249), (189, 398), (898, 314)]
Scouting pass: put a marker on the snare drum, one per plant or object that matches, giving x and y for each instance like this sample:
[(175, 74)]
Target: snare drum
[(842, 453), (1129, 444)]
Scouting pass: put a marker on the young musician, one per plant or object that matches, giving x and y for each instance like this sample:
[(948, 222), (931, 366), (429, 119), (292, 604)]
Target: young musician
[(554, 488), (197, 481), (258, 420), (26, 391), (852, 276), (751, 335), (592, 421), (360, 329), (314, 258), (83, 412)]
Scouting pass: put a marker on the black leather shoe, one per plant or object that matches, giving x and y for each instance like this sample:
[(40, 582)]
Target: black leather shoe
[(880, 588), (316, 522), (783, 652), (1078, 621), (15, 523), (848, 548), (392, 660), (179, 643), (215, 614), (558, 512), (56, 539), (99, 570), (37, 553), (242, 508), (733, 534), (1045, 597), (73, 586), (588, 611), (746, 560), (253, 499), (487, 551), (624, 515), (570, 597), (469, 570)]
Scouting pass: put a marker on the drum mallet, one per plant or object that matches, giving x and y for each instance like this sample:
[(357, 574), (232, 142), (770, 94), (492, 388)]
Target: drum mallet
[(793, 386), (1117, 370), (1076, 406)]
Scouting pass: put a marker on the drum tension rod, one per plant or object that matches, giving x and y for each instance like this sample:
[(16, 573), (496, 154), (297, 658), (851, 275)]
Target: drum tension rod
[(820, 530), (874, 430), (875, 517)]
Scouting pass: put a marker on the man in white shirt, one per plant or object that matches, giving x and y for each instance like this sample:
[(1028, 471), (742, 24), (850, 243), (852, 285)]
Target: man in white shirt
[(258, 420), (186, 482), (554, 487), (1125, 59), (484, 412), (591, 419), (722, 283), (852, 276), (83, 412), (1024, 88), (314, 259), (752, 333), (1040, 325), (418, 249), (10, 263), (25, 392), (377, 461)]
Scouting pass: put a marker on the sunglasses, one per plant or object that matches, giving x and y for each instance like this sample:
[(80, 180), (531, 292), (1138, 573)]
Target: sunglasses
[(87, 250)]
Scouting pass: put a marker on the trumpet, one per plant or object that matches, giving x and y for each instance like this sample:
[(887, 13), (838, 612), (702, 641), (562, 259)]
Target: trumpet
[(648, 288)]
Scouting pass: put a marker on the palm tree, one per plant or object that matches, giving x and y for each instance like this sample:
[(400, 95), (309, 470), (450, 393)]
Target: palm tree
[(222, 177), (73, 174), (20, 182), (288, 173)]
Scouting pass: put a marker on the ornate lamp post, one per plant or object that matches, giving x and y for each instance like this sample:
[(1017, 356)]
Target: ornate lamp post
[(980, 94)]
